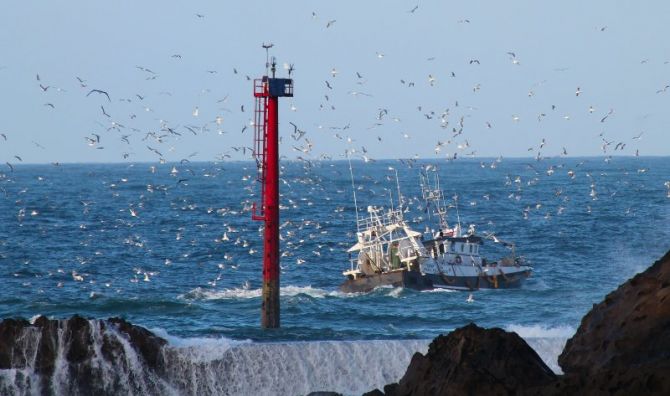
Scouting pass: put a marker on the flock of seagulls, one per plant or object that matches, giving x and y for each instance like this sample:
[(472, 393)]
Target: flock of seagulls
[(306, 240)]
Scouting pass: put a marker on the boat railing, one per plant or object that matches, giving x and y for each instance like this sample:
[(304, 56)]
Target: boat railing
[(376, 219)]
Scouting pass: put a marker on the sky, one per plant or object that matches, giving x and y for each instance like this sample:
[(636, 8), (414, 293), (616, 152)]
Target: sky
[(383, 79)]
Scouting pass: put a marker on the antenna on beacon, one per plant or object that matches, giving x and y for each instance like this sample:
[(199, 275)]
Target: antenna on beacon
[(267, 91)]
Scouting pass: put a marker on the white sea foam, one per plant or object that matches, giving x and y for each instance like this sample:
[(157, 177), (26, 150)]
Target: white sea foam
[(224, 366), (548, 342), (539, 331), (439, 290), (242, 293), (293, 368)]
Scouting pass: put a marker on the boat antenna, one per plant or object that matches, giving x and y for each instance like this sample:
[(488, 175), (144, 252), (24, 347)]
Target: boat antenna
[(425, 187), (391, 198), (353, 187), (458, 216), (442, 204), (397, 183)]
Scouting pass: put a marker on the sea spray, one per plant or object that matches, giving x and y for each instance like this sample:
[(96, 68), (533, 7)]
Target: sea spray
[(79, 356)]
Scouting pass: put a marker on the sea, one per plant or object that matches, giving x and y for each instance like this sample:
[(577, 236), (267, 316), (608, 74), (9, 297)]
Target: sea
[(172, 247)]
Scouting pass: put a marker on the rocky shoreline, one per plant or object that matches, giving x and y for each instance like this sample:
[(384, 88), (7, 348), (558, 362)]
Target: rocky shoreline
[(622, 347)]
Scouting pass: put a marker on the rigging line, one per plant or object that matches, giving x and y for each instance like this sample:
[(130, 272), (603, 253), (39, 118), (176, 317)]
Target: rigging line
[(353, 187), (399, 196)]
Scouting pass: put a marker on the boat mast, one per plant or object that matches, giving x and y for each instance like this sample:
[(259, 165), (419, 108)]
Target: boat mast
[(397, 183), (353, 187)]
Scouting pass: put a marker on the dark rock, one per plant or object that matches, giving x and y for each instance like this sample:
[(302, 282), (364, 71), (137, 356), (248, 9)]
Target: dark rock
[(375, 392), (324, 394), (472, 360), (623, 344), (144, 341), (80, 356), (10, 330), (391, 389)]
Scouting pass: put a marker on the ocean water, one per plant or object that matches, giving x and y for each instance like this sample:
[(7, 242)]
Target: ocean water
[(172, 247)]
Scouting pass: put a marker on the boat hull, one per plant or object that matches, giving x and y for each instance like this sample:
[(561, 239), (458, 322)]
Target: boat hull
[(418, 281), (407, 279), (483, 281)]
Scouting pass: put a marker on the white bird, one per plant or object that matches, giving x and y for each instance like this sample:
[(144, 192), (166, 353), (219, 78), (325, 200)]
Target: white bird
[(77, 277), (470, 298)]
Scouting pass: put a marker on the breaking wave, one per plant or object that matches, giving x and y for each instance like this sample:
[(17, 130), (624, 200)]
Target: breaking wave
[(244, 293)]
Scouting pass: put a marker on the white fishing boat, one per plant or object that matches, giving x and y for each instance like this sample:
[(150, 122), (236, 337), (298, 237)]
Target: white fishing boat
[(389, 252)]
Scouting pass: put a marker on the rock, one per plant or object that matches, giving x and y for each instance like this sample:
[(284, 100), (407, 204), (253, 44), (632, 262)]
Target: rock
[(374, 392), (144, 341), (10, 330), (79, 356), (472, 360), (623, 344)]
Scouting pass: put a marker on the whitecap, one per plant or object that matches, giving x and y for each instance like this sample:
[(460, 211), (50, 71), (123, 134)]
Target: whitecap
[(540, 331), (244, 293)]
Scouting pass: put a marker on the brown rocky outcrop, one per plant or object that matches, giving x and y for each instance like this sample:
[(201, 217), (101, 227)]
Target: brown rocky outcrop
[(622, 345), (473, 360)]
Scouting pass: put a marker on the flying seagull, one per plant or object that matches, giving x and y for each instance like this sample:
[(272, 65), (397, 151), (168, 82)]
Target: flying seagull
[(100, 92)]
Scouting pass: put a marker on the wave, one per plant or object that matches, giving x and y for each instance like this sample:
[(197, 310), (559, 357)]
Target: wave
[(293, 368), (548, 342), (223, 366), (540, 331), (244, 293), (347, 367)]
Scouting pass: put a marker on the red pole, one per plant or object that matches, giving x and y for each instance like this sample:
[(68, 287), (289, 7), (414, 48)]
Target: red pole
[(270, 307)]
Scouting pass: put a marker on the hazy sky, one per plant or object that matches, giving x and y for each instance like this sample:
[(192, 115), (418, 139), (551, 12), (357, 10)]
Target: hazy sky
[(418, 66)]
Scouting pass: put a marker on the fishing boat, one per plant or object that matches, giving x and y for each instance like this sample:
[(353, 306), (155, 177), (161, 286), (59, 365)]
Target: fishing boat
[(388, 252)]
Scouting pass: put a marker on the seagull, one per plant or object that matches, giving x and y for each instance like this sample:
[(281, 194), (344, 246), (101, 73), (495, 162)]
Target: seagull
[(99, 92), (470, 298), (413, 9), (607, 115), (578, 91), (330, 23)]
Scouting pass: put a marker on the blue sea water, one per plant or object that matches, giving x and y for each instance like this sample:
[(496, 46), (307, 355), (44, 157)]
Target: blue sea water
[(172, 247)]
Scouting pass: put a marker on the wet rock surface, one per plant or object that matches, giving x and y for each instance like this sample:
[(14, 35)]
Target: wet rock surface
[(77, 356)]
